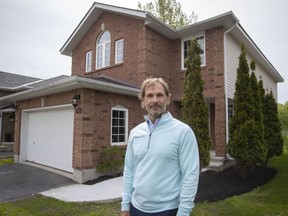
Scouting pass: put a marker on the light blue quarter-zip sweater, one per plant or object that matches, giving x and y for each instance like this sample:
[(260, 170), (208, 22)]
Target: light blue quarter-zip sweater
[(161, 167)]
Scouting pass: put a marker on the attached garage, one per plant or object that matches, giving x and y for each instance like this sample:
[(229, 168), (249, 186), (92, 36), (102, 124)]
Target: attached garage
[(48, 137), (50, 132)]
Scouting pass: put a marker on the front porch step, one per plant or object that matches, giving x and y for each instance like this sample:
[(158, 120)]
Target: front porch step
[(216, 163), (219, 163)]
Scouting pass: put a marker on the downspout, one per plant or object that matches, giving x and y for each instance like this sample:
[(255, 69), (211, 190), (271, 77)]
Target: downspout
[(225, 80), (1, 125)]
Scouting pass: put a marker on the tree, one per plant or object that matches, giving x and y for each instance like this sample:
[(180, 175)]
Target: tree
[(256, 101), (246, 142), (257, 107), (194, 110), (242, 97), (261, 93), (272, 128), (283, 117), (170, 12)]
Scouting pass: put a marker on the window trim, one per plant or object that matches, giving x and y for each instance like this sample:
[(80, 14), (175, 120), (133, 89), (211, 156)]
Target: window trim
[(88, 61), (182, 49), (116, 51), (103, 51), (119, 108)]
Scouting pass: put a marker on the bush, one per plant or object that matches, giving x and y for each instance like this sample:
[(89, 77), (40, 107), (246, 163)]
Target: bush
[(111, 160)]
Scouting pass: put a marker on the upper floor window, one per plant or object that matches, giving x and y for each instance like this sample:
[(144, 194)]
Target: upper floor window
[(103, 49), (119, 125), (119, 50), (88, 64), (185, 46)]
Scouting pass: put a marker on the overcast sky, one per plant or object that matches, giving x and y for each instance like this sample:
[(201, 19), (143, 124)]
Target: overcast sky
[(33, 31)]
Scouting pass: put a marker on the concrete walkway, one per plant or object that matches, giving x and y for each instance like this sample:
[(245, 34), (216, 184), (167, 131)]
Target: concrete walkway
[(106, 191)]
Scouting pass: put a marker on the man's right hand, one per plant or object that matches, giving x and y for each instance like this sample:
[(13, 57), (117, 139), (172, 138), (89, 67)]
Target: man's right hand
[(125, 213)]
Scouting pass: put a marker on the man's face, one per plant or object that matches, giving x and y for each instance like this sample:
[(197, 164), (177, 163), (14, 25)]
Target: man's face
[(155, 101)]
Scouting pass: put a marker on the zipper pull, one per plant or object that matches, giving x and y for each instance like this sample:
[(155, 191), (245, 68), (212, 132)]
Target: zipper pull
[(149, 140)]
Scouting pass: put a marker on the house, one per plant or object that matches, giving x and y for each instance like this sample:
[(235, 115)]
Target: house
[(113, 50), (10, 84)]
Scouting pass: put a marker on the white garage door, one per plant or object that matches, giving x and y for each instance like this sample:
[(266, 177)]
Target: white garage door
[(50, 138)]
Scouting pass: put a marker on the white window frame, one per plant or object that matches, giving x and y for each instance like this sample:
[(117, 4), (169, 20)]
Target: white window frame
[(202, 46), (88, 64), (122, 109), (119, 51), (103, 50)]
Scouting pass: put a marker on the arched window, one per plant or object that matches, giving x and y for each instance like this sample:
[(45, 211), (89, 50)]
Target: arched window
[(103, 47)]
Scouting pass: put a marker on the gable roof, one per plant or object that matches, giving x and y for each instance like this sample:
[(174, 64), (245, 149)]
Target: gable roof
[(228, 20), (15, 82)]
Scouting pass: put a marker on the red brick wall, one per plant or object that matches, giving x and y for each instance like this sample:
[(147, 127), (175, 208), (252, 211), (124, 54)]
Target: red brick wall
[(213, 76), (148, 54), (133, 33), (93, 123)]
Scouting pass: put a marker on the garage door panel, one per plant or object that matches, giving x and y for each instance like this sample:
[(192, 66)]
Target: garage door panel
[(50, 138)]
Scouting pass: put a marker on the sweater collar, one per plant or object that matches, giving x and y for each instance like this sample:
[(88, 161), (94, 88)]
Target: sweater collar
[(166, 117)]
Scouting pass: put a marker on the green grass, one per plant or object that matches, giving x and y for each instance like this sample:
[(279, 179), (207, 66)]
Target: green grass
[(39, 205), (268, 200), (6, 161)]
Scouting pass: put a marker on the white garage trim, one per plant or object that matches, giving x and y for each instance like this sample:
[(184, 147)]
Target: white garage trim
[(47, 136)]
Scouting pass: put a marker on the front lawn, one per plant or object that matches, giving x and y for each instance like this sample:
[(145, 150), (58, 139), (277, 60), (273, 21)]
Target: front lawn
[(269, 199)]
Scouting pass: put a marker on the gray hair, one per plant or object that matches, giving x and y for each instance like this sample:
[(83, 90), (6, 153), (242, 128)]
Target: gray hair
[(152, 81)]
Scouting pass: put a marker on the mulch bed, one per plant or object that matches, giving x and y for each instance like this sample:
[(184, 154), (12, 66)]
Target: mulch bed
[(214, 186), (99, 179)]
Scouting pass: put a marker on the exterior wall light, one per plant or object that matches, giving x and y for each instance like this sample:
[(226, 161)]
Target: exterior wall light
[(75, 100)]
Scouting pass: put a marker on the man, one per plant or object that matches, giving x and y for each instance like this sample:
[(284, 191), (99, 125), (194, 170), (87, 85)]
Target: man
[(161, 169)]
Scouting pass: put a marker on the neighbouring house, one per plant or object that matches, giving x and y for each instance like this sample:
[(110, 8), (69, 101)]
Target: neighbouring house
[(10, 84), (113, 50)]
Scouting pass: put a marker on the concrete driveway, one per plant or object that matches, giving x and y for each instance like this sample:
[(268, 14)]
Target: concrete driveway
[(19, 181)]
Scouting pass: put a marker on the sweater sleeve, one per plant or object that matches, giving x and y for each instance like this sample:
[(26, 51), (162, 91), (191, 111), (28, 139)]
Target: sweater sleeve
[(128, 176), (189, 165)]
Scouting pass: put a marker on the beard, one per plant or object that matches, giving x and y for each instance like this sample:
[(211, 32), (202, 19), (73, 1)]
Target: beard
[(156, 111)]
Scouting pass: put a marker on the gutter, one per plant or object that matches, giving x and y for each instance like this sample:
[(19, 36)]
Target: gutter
[(68, 84)]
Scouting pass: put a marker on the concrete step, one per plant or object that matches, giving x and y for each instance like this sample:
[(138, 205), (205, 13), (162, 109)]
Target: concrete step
[(219, 163), (216, 163)]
